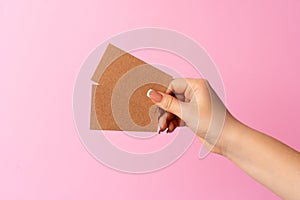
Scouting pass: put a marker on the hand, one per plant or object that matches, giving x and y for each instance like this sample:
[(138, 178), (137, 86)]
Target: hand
[(192, 102)]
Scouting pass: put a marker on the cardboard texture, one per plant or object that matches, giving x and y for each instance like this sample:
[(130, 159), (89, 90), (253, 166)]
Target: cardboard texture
[(119, 100)]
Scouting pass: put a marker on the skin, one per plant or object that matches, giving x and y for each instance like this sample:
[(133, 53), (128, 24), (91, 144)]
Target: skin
[(192, 102)]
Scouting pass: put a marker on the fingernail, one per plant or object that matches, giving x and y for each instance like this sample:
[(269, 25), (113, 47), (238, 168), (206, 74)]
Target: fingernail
[(155, 96)]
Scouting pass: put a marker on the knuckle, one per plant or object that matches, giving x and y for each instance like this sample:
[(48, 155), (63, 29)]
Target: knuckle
[(202, 80), (203, 83), (167, 103)]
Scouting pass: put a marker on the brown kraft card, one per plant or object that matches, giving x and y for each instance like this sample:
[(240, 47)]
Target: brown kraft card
[(119, 100)]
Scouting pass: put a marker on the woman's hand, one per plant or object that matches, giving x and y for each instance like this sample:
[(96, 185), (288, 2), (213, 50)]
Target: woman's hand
[(192, 102), (267, 160)]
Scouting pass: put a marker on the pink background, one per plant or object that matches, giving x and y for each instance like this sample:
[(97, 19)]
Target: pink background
[(255, 45)]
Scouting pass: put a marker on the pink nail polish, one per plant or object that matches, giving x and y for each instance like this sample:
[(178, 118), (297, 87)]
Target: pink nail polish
[(155, 96)]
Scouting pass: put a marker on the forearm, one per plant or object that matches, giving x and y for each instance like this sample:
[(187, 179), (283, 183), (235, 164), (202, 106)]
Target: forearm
[(264, 158), (267, 160)]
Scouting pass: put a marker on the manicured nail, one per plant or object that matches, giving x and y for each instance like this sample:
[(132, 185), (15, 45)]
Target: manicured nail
[(148, 93), (158, 128), (155, 96)]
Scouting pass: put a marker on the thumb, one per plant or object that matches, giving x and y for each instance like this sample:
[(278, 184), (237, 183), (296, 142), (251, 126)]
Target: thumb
[(166, 102)]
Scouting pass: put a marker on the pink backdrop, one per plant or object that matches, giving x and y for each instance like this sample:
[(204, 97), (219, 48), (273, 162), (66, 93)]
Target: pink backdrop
[(255, 45)]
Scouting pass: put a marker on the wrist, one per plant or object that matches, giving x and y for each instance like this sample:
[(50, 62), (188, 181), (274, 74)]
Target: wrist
[(228, 135)]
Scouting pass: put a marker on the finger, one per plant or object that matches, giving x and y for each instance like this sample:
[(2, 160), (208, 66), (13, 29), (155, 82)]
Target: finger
[(165, 119), (173, 125), (163, 123), (177, 86), (165, 101), (183, 86)]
